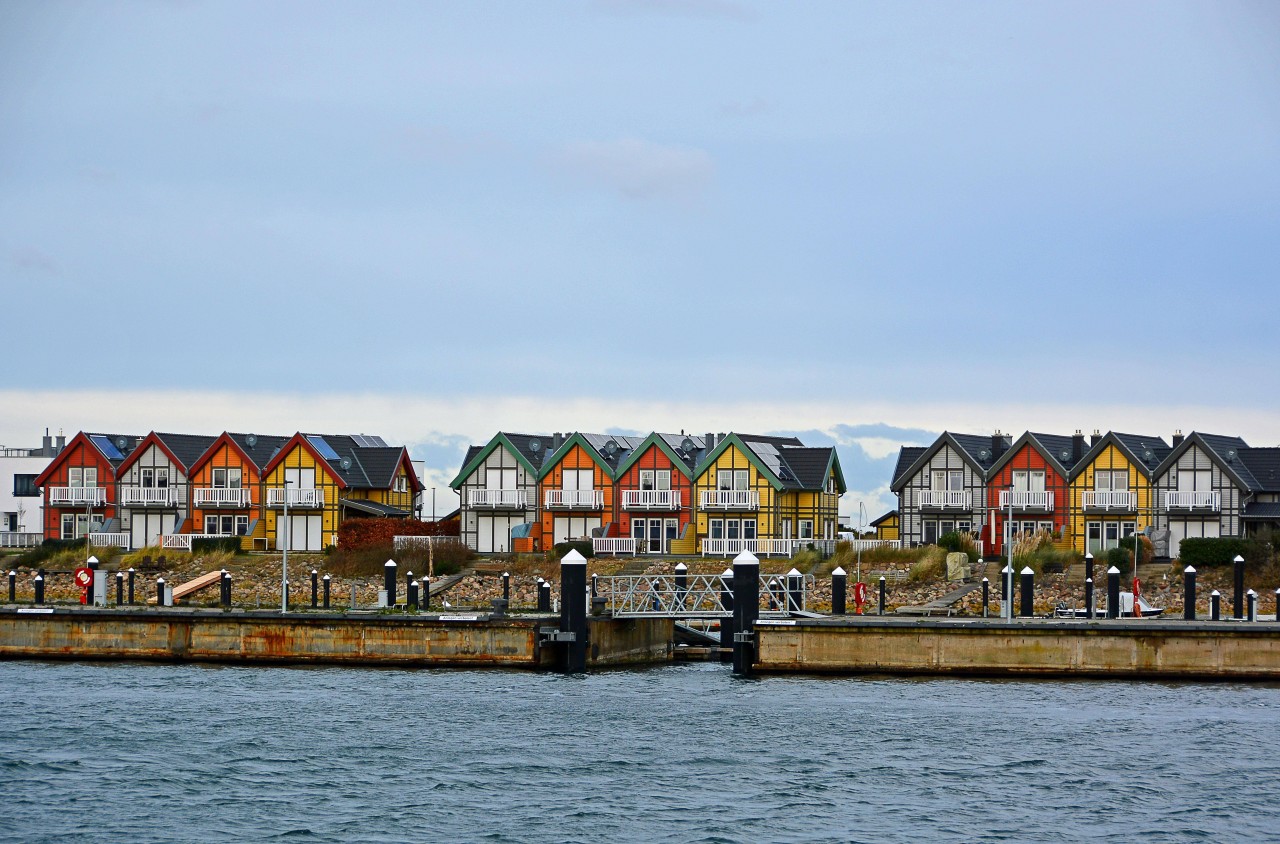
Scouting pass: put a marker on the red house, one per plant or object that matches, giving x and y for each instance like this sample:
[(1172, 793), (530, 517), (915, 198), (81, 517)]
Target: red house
[(1031, 476), (654, 491), (79, 486)]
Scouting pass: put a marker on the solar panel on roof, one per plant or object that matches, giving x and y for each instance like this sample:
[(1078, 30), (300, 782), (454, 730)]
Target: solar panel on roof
[(326, 450), (368, 441), (106, 446)]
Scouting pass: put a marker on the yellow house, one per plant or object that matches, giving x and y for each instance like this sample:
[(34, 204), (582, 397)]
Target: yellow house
[(887, 526), (323, 479), (1111, 490), (765, 495)]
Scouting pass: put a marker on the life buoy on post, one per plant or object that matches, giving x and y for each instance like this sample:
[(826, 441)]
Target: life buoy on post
[(859, 595), (1137, 593)]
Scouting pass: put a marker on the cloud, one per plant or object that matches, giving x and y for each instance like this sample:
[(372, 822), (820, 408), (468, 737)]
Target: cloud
[(710, 9), (639, 169)]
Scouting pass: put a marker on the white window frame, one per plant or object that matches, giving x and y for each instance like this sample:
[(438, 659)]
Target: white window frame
[(806, 529)]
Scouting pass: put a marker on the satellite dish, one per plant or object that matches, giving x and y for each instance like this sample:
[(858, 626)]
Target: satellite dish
[(535, 445), (345, 463), (251, 440), (686, 445), (611, 448), (1231, 454), (1064, 454), (1148, 455), (121, 442), (984, 454)]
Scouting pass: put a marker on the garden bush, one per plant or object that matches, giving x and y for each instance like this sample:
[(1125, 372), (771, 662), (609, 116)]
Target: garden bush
[(354, 534), (225, 544), (582, 546), (1222, 551)]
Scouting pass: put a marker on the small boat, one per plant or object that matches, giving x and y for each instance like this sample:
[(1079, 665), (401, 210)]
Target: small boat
[(1126, 609)]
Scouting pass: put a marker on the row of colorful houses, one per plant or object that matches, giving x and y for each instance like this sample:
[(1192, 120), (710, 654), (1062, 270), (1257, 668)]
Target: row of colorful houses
[(657, 494), (1091, 494), (165, 489)]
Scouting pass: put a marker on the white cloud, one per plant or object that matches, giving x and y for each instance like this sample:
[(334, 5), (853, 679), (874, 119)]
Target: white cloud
[(639, 169)]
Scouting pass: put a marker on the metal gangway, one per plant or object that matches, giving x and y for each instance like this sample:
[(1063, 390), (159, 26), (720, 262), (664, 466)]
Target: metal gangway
[(696, 596)]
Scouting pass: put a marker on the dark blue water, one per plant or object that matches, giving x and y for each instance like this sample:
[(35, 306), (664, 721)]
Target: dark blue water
[(142, 753)]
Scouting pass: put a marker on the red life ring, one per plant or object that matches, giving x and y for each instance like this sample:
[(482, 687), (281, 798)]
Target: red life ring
[(859, 595)]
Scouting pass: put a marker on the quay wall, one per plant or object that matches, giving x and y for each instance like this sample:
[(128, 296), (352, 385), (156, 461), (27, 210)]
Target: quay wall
[(215, 636), (1155, 649)]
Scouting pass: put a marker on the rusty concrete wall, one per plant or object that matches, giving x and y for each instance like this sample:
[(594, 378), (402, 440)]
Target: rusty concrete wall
[(629, 641), (1169, 650), (244, 637)]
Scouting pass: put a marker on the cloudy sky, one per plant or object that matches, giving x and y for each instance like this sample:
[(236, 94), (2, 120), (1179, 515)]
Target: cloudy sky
[(868, 222)]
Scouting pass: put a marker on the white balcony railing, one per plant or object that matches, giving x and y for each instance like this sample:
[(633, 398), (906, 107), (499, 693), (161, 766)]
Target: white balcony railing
[(731, 499), (614, 545), (651, 499), (1099, 499), (216, 496), (1192, 501), (120, 540), (1026, 500), (13, 539), (68, 496), (513, 499), (868, 544), (308, 498), (945, 498), (580, 499), (182, 541), (137, 496)]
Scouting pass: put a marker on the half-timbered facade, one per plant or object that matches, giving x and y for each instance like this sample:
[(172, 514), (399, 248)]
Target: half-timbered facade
[(576, 489), (1110, 488), (886, 527), (1260, 516), (1031, 480), (1201, 488), (653, 498), (153, 486), (498, 489), (943, 489), (226, 487), (79, 485)]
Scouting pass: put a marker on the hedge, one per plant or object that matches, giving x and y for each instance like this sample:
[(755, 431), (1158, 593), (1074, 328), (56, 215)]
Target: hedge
[(1222, 551), (582, 546), (354, 534), (230, 544)]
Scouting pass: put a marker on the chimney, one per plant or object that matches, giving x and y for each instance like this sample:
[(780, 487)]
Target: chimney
[(1177, 438), (1077, 446), (998, 444), (711, 441), (1096, 438), (60, 443), (555, 440), (46, 445)]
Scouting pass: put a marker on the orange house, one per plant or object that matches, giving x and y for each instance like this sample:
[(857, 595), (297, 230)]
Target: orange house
[(576, 487), (226, 487)]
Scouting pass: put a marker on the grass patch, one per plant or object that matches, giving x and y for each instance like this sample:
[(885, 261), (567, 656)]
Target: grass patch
[(446, 558)]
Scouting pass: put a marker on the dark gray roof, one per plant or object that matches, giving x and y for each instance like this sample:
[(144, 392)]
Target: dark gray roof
[(1139, 444), (375, 508), (522, 443), (1263, 465), (691, 459), (976, 445), (808, 465), (188, 448), (372, 467), (885, 517), (268, 445), (600, 442), (1262, 510), (1057, 445), (472, 451), (777, 442), (907, 456), (1220, 445)]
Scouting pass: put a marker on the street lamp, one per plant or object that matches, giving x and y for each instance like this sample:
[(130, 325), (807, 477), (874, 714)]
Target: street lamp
[(1008, 550), (284, 563), (862, 525)]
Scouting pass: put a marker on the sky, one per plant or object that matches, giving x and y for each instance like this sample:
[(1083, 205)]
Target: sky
[(865, 223)]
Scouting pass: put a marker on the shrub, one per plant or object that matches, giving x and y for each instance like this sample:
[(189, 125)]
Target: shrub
[(582, 546), (1119, 558), (1222, 551), (225, 544), (932, 565), (366, 533)]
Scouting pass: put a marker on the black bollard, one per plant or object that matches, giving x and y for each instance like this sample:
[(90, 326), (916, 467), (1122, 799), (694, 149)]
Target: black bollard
[(506, 587), (573, 610), (408, 581), (226, 588), (986, 596), (595, 585), (1277, 597), (425, 597), (795, 591), (315, 589), (119, 588), (746, 608), (131, 574), (159, 591), (726, 622), (411, 595), (1005, 586), (1088, 598), (1028, 608), (1237, 599), (389, 581), (1252, 607), (1113, 592), (773, 594), (13, 587), (1215, 605), (326, 591), (1189, 594), (39, 589), (839, 587), (1088, 566), (882, 595), (544, 596), (682, 583)]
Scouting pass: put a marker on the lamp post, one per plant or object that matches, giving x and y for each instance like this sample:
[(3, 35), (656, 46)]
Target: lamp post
[(284, 560), (1008, 550), (433, 504), (862, 525)]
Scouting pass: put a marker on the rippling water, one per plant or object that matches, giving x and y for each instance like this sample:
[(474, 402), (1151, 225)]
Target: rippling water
[(141, 753)]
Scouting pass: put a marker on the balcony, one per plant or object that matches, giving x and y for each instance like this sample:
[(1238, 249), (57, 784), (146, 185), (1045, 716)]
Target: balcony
[(651, 499), (1024, 500), (943, 499), (1101, 499), (497, 499), (1191, 501), (77, 496), (300, 498), (137, 496), (216, 496), (575, 499), (730, 499)]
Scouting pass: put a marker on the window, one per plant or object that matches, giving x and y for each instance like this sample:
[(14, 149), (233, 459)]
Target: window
[(10, 522), (24, 486), (155, 478), (663, 478), (964, 527), (748, 528), (1028, 481), (75, 526), (717, 529), (947, 480), (1115, 480), (226, 525), (732, 479), (1093, 537), (226, 478), (646, 479), (806, 528), (401, 484), (731, 528)]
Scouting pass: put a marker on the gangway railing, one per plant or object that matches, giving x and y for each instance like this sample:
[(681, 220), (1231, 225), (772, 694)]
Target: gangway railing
[(696, 596)]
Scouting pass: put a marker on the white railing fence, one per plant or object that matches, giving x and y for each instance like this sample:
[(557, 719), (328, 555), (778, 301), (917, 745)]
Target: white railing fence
[(1192, 500), (296, 497), (730, 499), (517, 498), (213, 496), (651, 499), (868, 544), (946, 498), (136, 496), (15, 539), (1026, 500), (64, 495), (584, 498), (120, 540), (614, 545), (401, 543), (1108, 499), (182, 541)]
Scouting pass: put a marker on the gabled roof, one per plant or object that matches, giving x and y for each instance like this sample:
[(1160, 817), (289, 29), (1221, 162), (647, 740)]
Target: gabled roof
[(907, 456), (300, 440), (183, 449), (1133, 446), (811, 466), (530, 450), (890, 515), (785, 462), (597, 446), (970, 447), (258, 455), (753, 457), (1051, 447), (1263, 465), (1223, 451), (103, 444), (668, 444)]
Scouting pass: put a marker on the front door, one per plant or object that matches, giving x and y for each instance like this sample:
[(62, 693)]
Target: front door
[(656, 545)]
